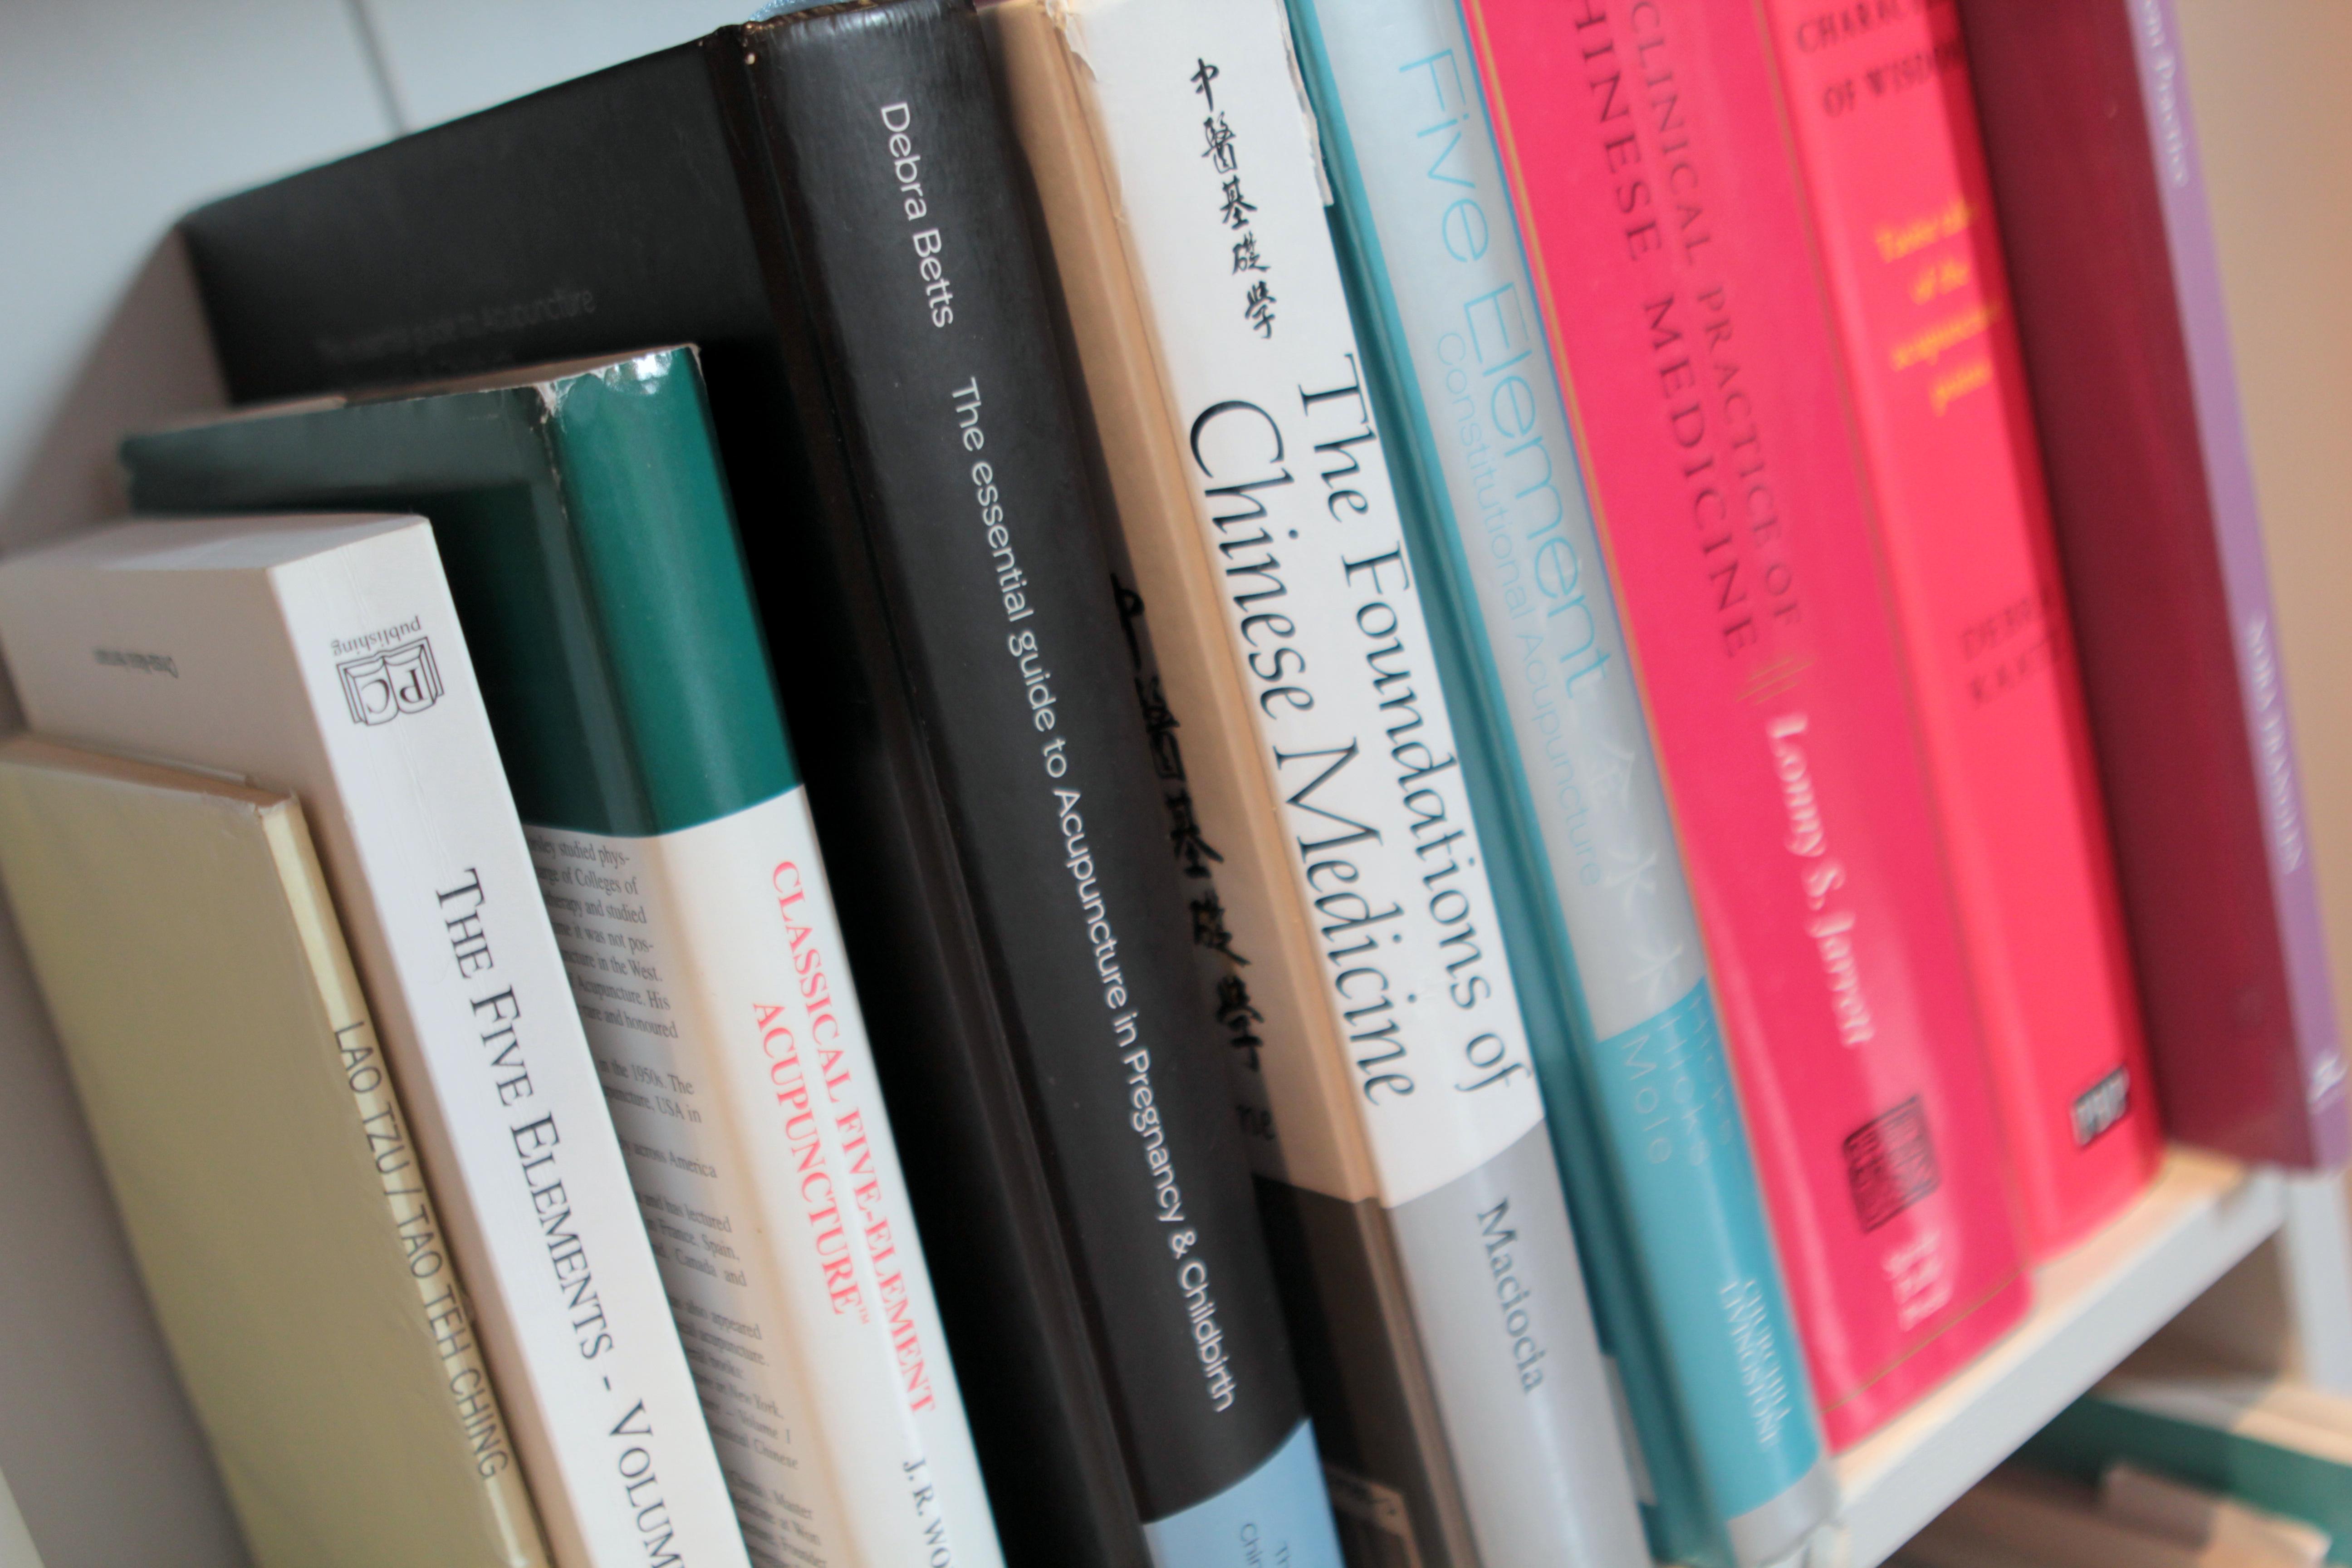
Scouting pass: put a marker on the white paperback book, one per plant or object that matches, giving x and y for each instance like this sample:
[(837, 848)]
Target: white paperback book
[(1206, 137), (780, 1216), (322, 656)]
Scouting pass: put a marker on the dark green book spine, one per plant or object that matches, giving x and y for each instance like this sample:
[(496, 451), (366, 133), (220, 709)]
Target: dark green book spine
[(586, 528)]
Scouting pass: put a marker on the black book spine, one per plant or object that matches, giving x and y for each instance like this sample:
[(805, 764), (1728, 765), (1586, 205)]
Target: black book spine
[(910, 253)]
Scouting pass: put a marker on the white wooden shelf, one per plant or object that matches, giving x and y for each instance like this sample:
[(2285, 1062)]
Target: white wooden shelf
[(2094, 1306)]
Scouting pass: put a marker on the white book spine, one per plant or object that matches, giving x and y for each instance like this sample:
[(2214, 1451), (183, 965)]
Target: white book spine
[(445, 862), (339, 671), (710, 970), (1205, 134)]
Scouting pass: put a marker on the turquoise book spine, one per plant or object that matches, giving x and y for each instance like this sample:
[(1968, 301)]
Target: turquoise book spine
[(1604, 941)]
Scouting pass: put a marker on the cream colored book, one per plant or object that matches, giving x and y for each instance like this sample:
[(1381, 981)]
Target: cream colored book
[(184, 940)]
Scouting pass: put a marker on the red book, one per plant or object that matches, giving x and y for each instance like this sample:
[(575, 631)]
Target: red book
[(1682, 290), (1888, 151), (2119, 304)]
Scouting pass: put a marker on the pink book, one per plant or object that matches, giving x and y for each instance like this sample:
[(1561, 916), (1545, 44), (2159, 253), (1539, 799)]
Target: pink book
[(1687, 309), (1888, 151)]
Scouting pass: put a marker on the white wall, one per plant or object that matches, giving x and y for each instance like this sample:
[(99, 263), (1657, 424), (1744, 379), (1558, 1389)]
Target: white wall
[(447, 57), (117, 114), (113, 114)]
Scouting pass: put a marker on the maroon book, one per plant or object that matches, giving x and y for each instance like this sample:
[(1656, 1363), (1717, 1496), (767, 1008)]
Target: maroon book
[(2085, 110)]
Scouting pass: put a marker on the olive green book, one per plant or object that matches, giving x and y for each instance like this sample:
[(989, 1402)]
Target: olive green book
[(184, 937)]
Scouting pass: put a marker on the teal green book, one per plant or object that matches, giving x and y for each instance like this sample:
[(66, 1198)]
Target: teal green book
[(583, 523), (2274, 1443), (1605, 944)]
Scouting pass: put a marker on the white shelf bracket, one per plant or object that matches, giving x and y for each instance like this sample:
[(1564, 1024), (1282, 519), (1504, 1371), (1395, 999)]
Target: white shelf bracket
[(2315, 1253)]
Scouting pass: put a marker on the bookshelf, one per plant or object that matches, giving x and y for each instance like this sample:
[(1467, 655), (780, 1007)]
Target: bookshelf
[(154, 110)]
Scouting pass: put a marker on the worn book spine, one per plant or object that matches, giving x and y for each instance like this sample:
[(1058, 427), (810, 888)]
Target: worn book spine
[(336, 664), (1885, 140), (636, 717), (2118, 294), (1210, 147), (1695, 1314), (1659, 203), (910, 245), (1385, 1457)]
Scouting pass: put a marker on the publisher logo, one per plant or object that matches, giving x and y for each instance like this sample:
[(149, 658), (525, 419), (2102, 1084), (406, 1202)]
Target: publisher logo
[(381, 687), (2100, 1106), (1890, 1163)]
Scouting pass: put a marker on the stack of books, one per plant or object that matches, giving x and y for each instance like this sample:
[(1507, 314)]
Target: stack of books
[(1177, 783)]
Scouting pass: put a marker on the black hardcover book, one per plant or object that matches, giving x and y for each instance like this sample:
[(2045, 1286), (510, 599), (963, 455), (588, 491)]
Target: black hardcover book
[(824, 202)]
